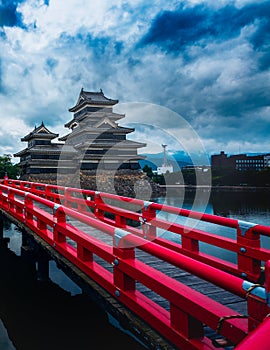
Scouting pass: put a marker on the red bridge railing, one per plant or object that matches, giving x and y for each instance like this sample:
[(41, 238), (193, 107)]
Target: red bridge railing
[(121, 211), (133, 224)]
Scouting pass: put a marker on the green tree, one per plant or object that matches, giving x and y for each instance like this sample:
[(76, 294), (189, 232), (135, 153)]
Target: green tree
[(159, 179), (148, 170), (6, 167)]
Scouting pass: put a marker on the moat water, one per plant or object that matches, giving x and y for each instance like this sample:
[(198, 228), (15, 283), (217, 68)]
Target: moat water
[(57, 315)]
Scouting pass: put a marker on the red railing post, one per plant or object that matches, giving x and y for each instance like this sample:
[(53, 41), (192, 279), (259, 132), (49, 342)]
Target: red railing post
[(99, 213), (259, 302), (60, 218), (67, 202), (41, 225), (190, 244), (120, 221), (19, 210), (28, 207), (5, 200), (1, 195), (148, 214), (248, 267), (84, 254), (121, 280), (6, 179), (267, 283), (11, 200), (82, 204), (57, 199), (257, 311), (48, 193), (184, 323)]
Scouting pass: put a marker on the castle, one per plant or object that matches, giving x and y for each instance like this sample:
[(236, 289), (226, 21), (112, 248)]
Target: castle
[(95, 141)]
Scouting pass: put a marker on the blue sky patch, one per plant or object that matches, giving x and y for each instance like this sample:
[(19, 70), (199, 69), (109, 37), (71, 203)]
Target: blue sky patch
[(8, 14)]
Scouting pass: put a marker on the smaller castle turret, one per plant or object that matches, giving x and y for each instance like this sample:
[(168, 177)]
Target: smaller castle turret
[(41, 155)]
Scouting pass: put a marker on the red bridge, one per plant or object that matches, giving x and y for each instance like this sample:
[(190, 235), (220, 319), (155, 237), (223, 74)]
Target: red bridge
[(190, 297)]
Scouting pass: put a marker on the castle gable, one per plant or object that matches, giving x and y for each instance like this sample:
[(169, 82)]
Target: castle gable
[(105, 123), (92, 99), (38, 132)]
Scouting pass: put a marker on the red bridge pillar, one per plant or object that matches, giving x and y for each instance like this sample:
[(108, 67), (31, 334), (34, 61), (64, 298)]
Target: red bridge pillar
[(121, 280), (247, 239)]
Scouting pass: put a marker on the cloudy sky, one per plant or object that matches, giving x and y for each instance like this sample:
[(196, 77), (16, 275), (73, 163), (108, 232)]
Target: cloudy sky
[(207, 61)]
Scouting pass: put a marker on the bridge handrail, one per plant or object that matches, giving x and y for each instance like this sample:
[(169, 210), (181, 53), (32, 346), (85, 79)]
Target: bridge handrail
[(211, 218), (223, 279), (247, 246), (185, 304), (32, 186)]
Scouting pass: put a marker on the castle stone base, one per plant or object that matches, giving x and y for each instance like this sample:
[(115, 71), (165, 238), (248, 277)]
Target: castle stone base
[(130, 183)]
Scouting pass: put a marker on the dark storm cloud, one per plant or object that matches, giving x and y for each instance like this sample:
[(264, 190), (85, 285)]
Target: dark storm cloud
[(251, 128), (8, 14), (243, 101), (221, 97), (174, 31), (179, 28)]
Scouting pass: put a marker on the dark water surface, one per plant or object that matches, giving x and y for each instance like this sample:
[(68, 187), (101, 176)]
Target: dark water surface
[(52, 315), (56, 315), (247, 206)]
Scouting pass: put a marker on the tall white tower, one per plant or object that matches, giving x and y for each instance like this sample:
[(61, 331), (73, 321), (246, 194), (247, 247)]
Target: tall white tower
[(165, 167), (164, 155)]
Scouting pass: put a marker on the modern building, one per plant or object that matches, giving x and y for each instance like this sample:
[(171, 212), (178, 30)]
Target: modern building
[(240, 161), (96, 140)]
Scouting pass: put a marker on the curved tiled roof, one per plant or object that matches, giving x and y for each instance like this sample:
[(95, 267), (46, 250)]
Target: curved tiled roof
[(93, 98), (40, 131)]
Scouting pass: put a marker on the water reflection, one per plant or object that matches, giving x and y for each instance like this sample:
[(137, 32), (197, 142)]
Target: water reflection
[(247, 206), (242, 204), (48, 315), (255, 205), (5, 342)]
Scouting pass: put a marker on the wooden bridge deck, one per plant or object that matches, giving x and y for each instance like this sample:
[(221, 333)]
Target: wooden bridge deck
[(142, 299), (214, 292)]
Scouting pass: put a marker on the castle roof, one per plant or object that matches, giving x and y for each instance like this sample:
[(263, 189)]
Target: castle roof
[(109, 143), (40, 132), (95, 131), (92, 98), (54, 148)]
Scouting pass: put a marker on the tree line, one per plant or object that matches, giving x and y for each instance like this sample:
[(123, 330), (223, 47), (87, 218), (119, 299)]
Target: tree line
[(8, 168)]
